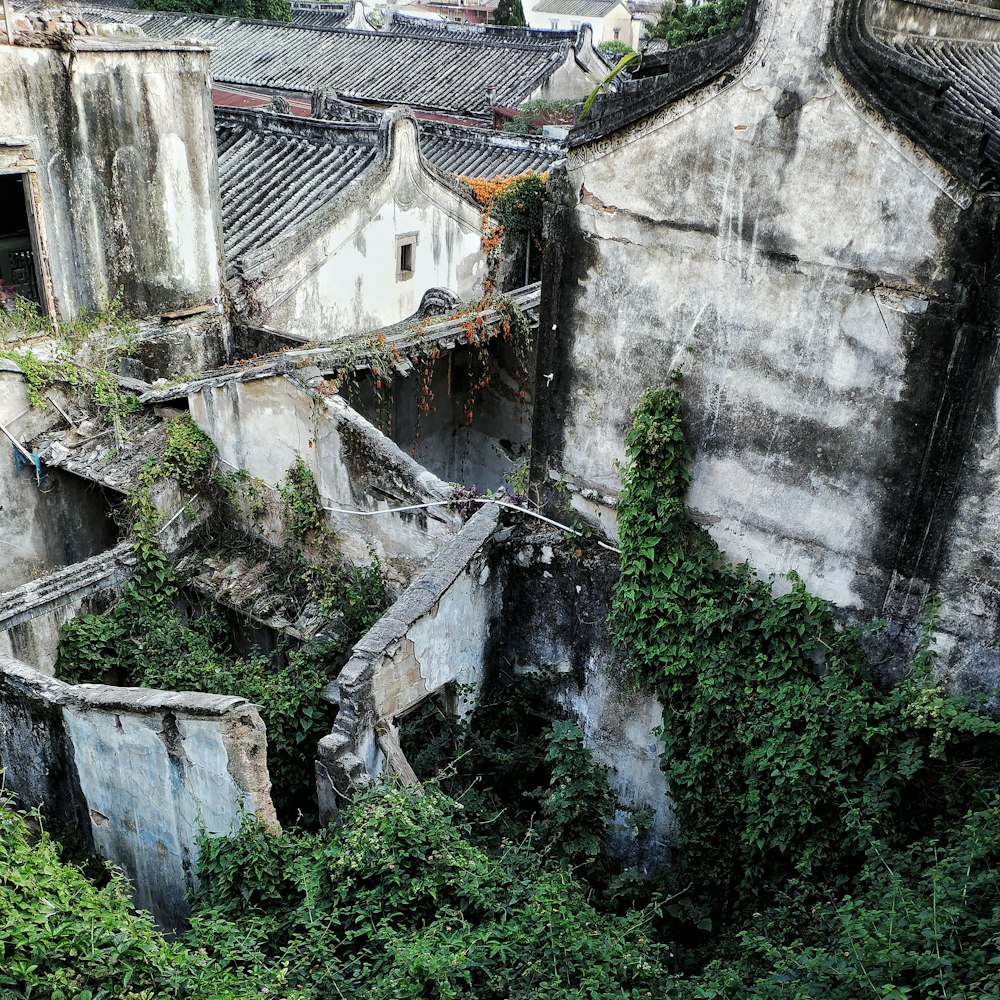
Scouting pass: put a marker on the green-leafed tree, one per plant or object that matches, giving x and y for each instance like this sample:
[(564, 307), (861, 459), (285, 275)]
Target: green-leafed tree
[(509, 12), (681, 23)]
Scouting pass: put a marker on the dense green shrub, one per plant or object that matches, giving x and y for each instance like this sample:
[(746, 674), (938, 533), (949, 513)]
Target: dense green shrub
[(615, 48), (681, 24), (510, 12), (399, 902)]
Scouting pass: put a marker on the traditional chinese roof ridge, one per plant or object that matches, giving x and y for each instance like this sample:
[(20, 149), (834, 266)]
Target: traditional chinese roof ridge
[(468, 152), (278, 173), (945, 95), (667, 75), (451, 72), (404, 339), (323, 15), (404, 24), (577, 8)]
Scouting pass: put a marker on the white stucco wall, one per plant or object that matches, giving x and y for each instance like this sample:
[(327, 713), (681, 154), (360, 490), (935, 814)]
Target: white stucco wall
[(785, 282), (603, 27), (345, 280)]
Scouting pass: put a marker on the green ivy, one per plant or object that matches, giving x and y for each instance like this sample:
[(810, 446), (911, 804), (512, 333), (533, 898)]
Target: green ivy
[(785, 757)]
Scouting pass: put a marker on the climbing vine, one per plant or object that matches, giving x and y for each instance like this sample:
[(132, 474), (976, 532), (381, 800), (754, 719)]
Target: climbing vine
[(785, 756)]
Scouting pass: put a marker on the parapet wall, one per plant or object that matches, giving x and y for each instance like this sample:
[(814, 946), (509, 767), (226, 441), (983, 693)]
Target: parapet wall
[(938, 19), (441, 631), (32, 616), (262, 425), (138, 772)]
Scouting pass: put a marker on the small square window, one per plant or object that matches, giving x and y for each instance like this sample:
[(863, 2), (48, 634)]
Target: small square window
[(406, 252)]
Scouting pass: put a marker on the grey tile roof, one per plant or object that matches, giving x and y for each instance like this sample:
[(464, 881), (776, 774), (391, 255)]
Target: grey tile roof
[(944, 94), (276, 173), (577, 8), (468, 152), (972, 72), (451, 72)]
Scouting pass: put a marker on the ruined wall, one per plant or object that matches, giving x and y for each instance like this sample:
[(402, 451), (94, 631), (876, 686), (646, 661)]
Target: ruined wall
[(139, 772), (497, 441), (555, 620), (262, 425), (45, 525), (441, 630), (32, 616), (817, 279), (345, 278), (118, 134)]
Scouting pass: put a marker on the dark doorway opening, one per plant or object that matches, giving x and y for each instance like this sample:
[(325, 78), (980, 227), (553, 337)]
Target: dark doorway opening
[(18, 274)]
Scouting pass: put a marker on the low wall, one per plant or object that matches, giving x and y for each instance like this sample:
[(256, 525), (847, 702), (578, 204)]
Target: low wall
[(32, 616), (137, 771), (441, 630), (262, 425)]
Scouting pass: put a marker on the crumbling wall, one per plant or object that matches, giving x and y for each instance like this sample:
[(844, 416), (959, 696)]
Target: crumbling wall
[(262, 425), (118, 134), (819, 286), (32, 616), (139, 772), (483, 451), (555, 622), (48, 524), (440, 631)]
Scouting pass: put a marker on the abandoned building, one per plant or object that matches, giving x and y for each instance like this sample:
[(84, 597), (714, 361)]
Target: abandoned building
[(359, 226), (799, 216)]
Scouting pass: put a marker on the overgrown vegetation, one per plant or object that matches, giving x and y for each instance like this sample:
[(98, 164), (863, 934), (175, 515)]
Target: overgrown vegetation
[(614, 47), (681, 24), (840, 837), (803, 786), (532, 115), (146, 641), (86, 359)]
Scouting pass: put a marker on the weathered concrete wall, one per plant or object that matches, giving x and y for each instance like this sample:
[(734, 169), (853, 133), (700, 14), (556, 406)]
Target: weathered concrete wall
[(441, 630), (32, 615), (118, 134), (496, 442), (344, 279), (262, 425), (555, 619), (43, 526), (817, 286), (139, 771)]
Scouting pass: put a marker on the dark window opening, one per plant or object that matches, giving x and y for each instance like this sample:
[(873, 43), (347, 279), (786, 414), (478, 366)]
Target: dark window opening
[(18, 276), (405, 251)]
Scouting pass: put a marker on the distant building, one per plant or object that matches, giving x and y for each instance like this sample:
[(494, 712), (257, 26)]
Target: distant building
[(610, 20), (332, 228)]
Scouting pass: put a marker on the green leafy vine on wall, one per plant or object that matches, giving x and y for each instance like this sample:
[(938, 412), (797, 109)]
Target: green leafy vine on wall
[(786, 757)]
